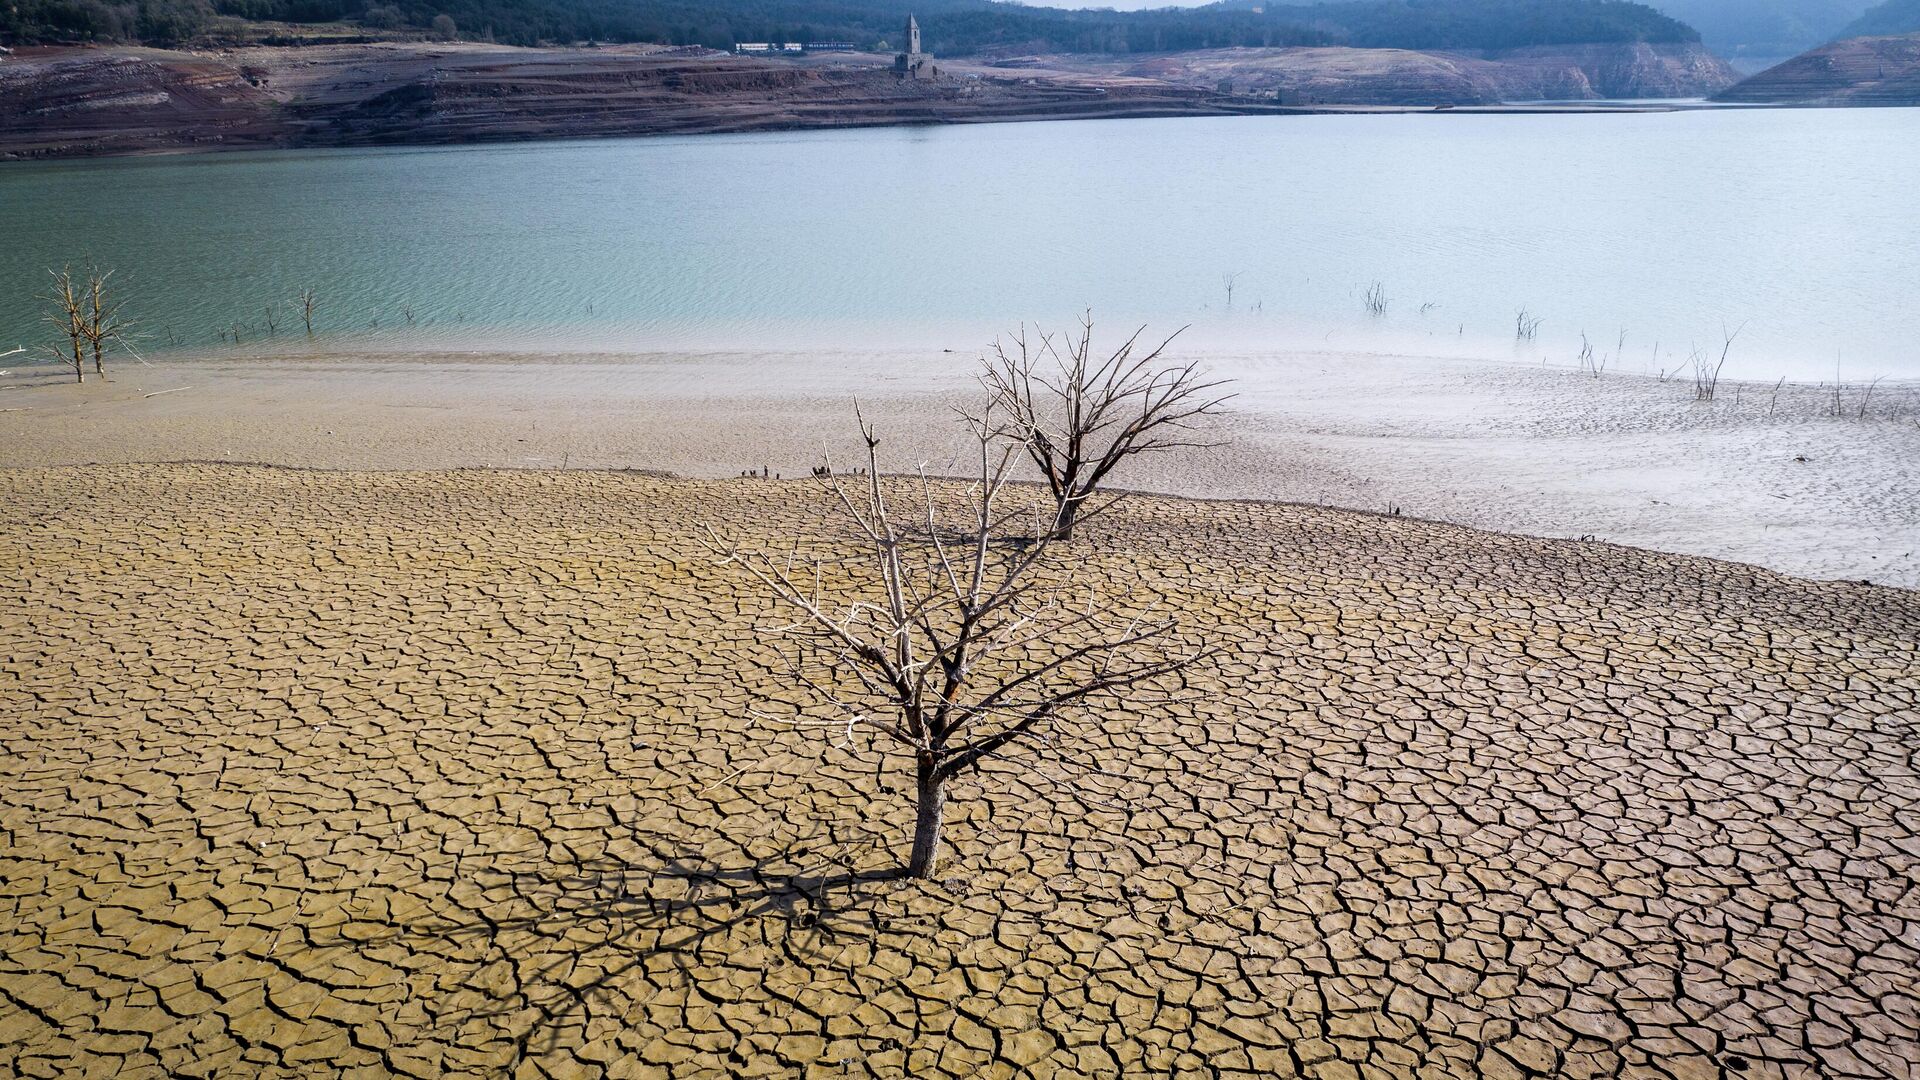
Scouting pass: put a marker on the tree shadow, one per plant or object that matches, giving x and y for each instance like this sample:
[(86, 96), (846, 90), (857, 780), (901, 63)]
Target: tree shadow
[(36, 373), (551, 946)]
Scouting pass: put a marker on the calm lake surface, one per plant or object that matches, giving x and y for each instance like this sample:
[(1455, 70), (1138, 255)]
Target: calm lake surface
[(1801, 228)]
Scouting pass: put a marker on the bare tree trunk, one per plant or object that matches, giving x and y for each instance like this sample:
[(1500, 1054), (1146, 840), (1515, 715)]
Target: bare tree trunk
[(939, 615), (1069, 510), (100, 318), (68, 313), (930, 811)]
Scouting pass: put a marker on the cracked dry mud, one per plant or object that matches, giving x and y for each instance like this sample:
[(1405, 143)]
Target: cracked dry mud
[(436, 774)]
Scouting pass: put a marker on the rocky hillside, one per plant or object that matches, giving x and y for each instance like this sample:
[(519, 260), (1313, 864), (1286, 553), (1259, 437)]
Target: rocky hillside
[(1404, 77), (66, 102), (1857, 71), (79, 102), (107, 97)]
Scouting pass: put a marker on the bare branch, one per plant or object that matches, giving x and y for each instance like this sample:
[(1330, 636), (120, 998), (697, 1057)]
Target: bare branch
[(1080, 416), (946, 634)]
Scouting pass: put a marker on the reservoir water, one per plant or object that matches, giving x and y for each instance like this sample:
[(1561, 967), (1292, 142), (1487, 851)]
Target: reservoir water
[(1651, 234)]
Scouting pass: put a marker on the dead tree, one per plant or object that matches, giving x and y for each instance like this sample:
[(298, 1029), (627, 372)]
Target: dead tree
[(66, 310), (1706, 369), (306, 309), (948, 640), (1079, 416), (100, 320)]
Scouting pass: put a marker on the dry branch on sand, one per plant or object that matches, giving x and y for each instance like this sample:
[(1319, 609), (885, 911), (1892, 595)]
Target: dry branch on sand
[(1706, 368), (1079, 417), (950, 641)]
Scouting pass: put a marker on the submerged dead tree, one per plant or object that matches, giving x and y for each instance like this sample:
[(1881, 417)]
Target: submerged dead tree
[(66, 310), (953, 633), (1079, 416), (100, 319), (86, 316), (1706, 367)]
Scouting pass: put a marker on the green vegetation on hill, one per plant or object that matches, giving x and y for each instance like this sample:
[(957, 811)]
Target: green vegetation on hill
[(1891, 18), (953, 27)]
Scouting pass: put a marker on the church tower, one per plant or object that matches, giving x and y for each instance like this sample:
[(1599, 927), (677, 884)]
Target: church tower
[(914, 64)]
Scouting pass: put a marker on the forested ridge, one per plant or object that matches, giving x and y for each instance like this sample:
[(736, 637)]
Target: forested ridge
[(952, 27), (1765, 27), (1890, 18)]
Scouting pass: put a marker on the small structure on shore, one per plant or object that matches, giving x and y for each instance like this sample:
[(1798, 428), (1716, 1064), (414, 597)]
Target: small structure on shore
[(914, 64), (791, 48)]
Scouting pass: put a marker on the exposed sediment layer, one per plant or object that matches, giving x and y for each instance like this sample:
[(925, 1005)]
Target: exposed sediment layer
[(80, 102), (460, 774), (1309, 76), (73, 102), (1858, 71)]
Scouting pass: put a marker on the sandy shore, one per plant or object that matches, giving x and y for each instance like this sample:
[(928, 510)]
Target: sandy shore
[(458, 774), (1755, 476)]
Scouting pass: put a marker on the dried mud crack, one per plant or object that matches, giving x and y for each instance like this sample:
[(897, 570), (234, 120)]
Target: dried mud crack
[(457, 774)]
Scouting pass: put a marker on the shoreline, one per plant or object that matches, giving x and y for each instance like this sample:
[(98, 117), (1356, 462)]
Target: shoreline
[(1118, 111), (1155, 112), (118, 101), (1490, 445)]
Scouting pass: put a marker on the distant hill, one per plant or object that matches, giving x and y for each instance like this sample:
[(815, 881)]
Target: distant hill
[(1857, 71), (1892, 17), (952, 27), (1399, 77), (1765, 28)]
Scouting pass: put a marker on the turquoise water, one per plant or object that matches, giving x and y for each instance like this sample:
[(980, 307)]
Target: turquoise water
[(1799, 227)]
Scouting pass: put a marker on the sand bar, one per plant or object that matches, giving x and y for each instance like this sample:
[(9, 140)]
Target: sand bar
[(1758, 476)]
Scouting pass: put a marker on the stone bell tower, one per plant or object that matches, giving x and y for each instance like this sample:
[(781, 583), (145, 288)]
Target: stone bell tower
[(914, 64)]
